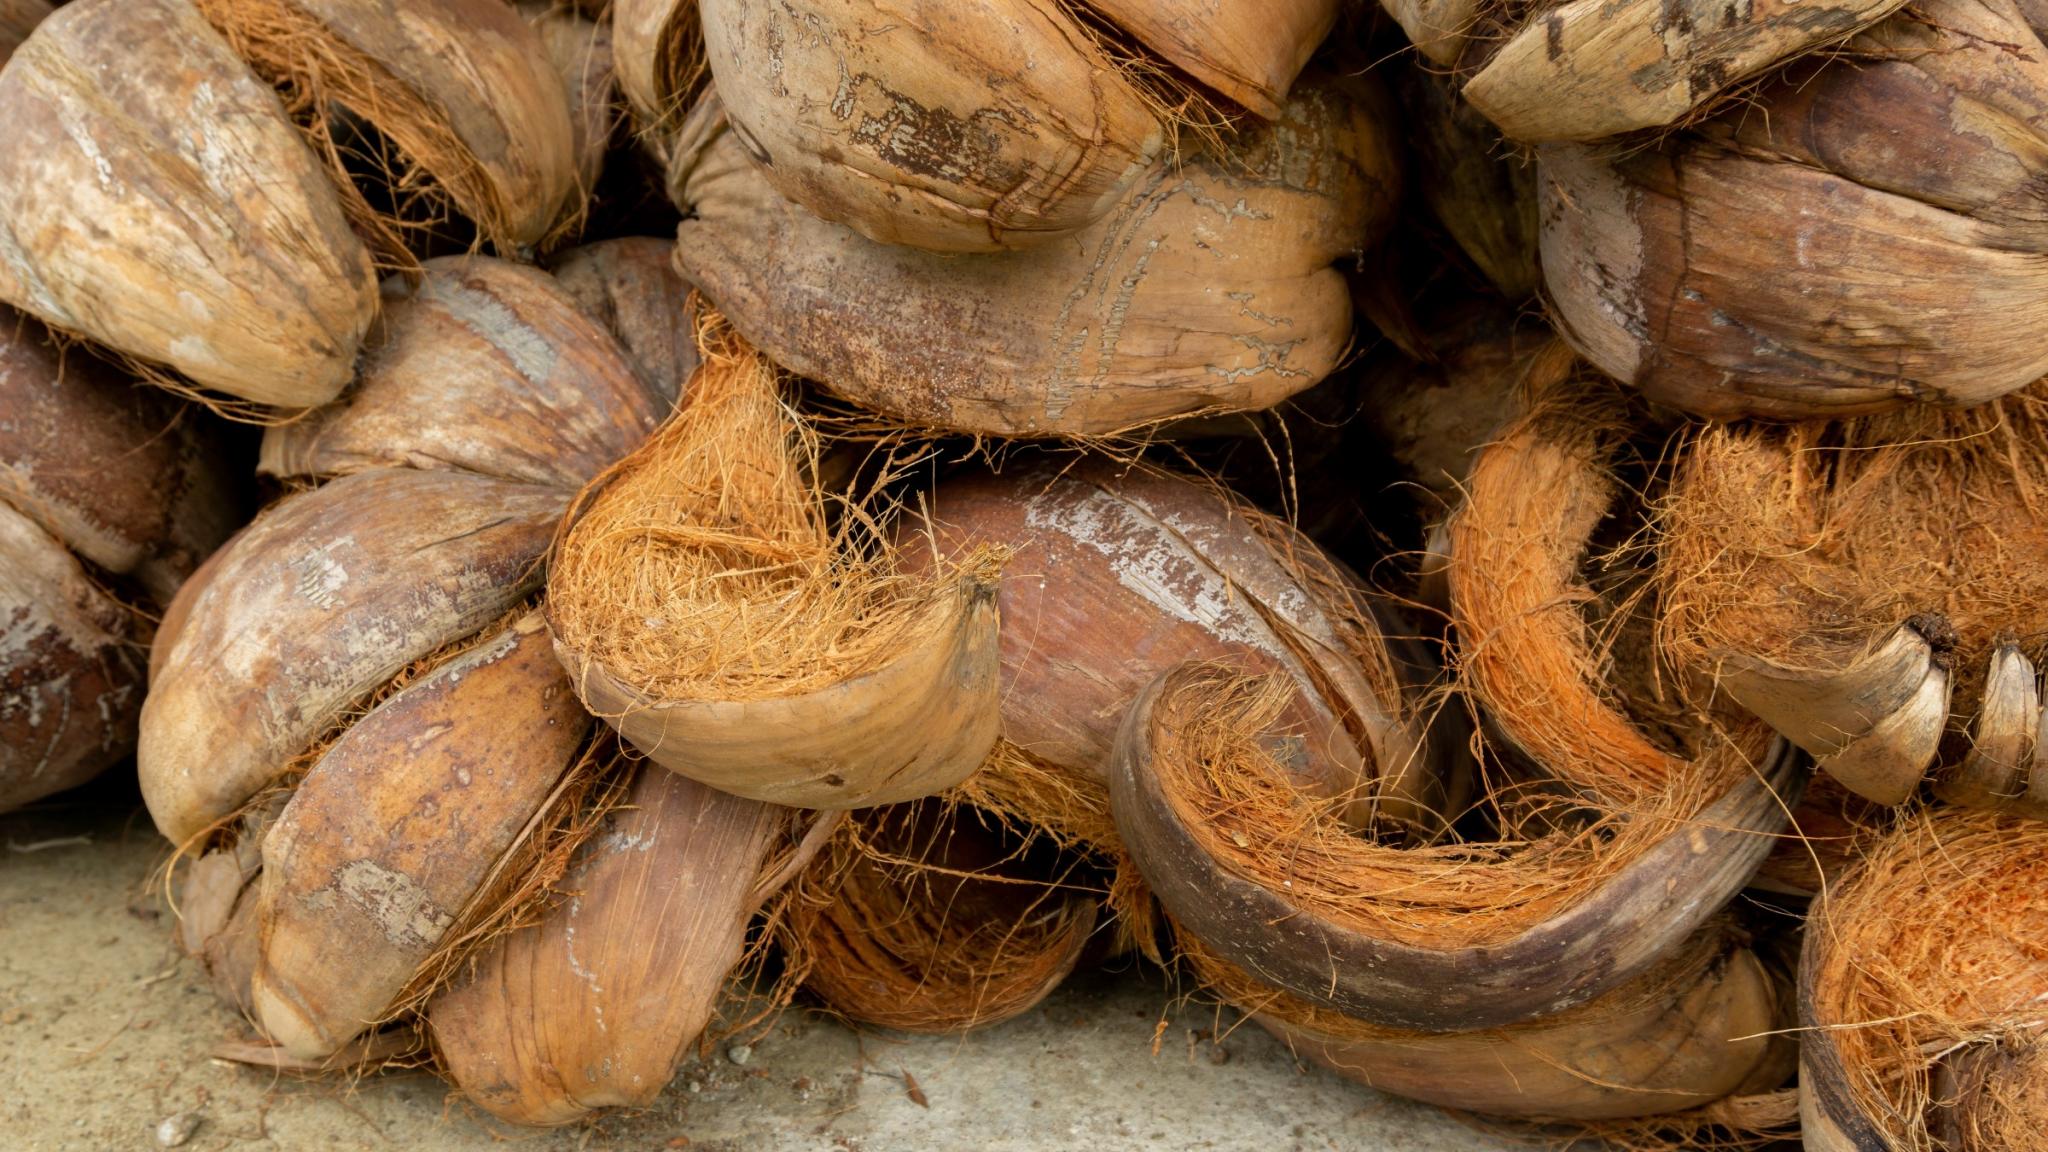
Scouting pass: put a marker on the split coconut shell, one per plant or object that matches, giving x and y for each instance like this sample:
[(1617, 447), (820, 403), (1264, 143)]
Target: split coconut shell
[(1751, 266), (1213, 285)]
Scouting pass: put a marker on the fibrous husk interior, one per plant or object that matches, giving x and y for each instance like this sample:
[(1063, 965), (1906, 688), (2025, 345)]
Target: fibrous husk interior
[(1937, 945), (706, 565), (1806, 545)]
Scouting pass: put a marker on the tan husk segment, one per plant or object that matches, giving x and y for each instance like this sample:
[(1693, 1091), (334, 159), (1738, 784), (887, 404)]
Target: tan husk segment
[(18, 18), (659, 50), (708, 608), (264, 295), (1925, 1031), (1249, 51), (1213, 285), (581, 52), (630, 286), (921, 917)]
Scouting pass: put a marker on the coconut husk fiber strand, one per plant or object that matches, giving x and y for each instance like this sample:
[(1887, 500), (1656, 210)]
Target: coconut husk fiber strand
[(1869, 587), (1921, 990), (1754, 265), (708, 606), (265, 295), (1212, 285)]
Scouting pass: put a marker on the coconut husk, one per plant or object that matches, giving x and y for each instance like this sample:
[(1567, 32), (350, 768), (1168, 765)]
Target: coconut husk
[(1470, 179), (1751, 266), (925, 917), (482, 367), (265, 295), (1832, 830), (595, 1005), (659, 49), (951, 128), (1250, 53), (215, 898), (18, 18), (326, 596), (630, 286), (708, 608), (1867, 587), (581, 51), (463, 90), (1211, 286), (1696, 1027), (1920, 1036)]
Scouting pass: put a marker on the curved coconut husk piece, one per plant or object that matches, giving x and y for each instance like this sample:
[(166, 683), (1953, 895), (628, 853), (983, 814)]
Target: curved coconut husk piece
[(1211, 286), (1869, 587), (707, 610), (970, 126), (18, 18), (1699, 1025), (630, 286), (659, 49), (1250, 53), (581, 52), (215, 897), (462, 88), (1668, 268), (70, 668), (1483, 196), (265, 295), (482, 367), (925, 918), (1120, 574), (396, 827), (319, 602), (1832, 829), (1453, 937), (1918, 1035), (595, 1005)]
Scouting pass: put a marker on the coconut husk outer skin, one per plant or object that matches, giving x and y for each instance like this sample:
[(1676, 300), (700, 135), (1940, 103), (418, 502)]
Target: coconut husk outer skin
[(1209, 287), (391, 834), (70, 670), (1249, 52), (485, 367), (1621, 928), (1484, 197), (581, 52), (320, 601), (657, 49), (18, 18), (969, 126), (630, 285), (595, 1005), (265, 295), (218, 921)]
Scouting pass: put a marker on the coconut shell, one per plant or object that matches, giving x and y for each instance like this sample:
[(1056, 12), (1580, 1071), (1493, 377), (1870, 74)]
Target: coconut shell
[(394, 831), (630, 286), (484, 367), (960, 126), (1750, 267), (70, 668), (1249, 52), (18, 18), (1212, 286), (320, 601), (265, 295), (596, 1004), (581, 52), (659, 54)]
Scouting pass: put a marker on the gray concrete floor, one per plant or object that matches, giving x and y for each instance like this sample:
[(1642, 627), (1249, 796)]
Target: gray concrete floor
[(104, 1032)]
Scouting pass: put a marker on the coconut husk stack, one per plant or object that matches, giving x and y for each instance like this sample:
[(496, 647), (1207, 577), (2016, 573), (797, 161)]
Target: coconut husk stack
[(1496, 542)]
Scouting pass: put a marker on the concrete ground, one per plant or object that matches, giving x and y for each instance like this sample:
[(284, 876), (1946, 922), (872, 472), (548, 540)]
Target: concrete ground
[(104, 1031)]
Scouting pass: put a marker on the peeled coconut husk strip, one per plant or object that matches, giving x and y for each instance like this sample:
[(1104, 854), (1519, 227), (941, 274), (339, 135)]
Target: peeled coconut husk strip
[(970, 126), (1211, 286), (1921, 990), (18, 18), (595, 1005), (1697, 1026), (319, 601), (630, 286), (581, 51), (264, 295), (463, 89), (70, 668), (1250, 53), (477, 343), (1868, 587), (1668, 267), (659, 49), (707, 608), (924, 918)]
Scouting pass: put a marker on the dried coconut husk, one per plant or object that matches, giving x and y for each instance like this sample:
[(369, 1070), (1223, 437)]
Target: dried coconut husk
[(581, 52), (1832, 830), (1250, 53), (463, 90), (1212, 286), (1477, 188), (708, 608), (264, 295), (659, 49), (18, 18), (630, 286), (1751, 266), (595, 1005), (1449, 937), (925, 917), (1870, 588), (1921, 990), (477, 343), (1698, 1026)]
